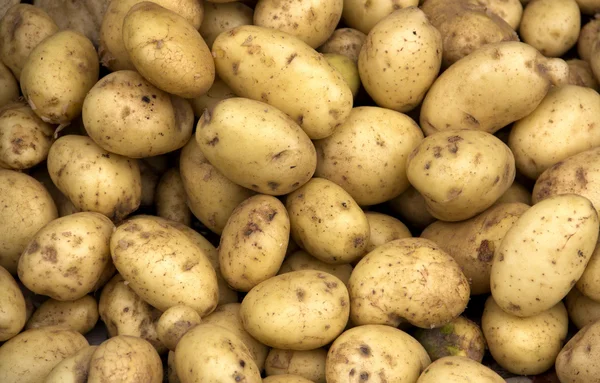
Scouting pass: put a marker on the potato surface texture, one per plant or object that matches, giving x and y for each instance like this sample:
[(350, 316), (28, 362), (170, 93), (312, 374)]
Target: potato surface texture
[(458, 369), (575, 362), (363, 16), (221, 17), (72, 369), (308, 364), (12, 306), (78, 315)]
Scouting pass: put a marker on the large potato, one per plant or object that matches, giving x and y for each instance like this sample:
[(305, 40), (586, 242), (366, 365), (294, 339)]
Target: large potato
[(309, 364), (256, 146), (171, 200), (283, 71), (9, 88), (458, 369), (364, 15), (301, 260), (344, 41), (222, 17), (78, 315), (13, 310), (74, 369), (174, 323), (582, 310), (576, 362), (384, 228)]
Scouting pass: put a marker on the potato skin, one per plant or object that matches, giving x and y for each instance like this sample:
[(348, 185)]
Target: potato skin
[(301, 260), (9, 88), (171, 200), (288, 378), (384, 228), (217, 92), (582, 310), (309, 364), (575, 362), (174, 323), (344, 41), (580, 73), (364, 16), (13, 311), (458, 369), (412, 209), (589, 283), (587, 37), (78, 315), (510, 11), (74, 369), (221, 17)]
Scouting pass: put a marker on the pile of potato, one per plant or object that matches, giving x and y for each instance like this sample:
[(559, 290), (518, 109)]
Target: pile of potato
[(327, 191)]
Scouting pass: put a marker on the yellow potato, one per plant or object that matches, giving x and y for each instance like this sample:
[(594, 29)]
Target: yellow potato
[(589, 283), (363, 16), (174, 323), (9, 88), (78, 315), (288, 378), (576, 362), (344, 41), (171, 200), (458, 369), (347, 68), (13, 309), (411, 207), (515, 193), (580, 73), (308, 364), (301, 260), (171, 369), (217, 92), (74, 369), (510, 11), (595, 59), (587, 37), (384, 228), (221, 17), (582, 310)]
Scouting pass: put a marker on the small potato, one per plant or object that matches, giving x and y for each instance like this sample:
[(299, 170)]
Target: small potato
[(174, 323), (576, 362), (587, 37), (171, 200), (222, 17), (363, 16), (458, 369), (589, 283), (301, 260), (411, 207), (286, 379), (13, 309), (374, 351), (9, 88), (345, 41), (377, 142), (78, 315), (515, 193), (347, 68), (384, 229), (510, 11), (74, 369), (327, 222), (308, 364), (217, 92), (582, 310), (580, 73)]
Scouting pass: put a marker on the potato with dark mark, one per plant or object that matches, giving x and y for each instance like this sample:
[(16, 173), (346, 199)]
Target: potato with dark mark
[(301, 260), (74, 369), (460, 173), (344, 41), (587, 37), (510, 11), (327, 222), (384, 228), (411, 208), (364, 15), (288, 378), (524, 346), (372, 353), (78, 315), (13, 309), (318, 302), (580, 73), (217, 92), (582, 310), (473, 243), (254, 242), (458, 369), (174, 323), (515, 193), (577, 361), (589, 283), (9, 88), (256, 146), (171, 200), (223, 17), (407, 280), (308, 364)]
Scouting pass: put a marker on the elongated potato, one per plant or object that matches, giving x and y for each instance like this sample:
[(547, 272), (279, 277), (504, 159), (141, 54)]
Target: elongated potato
[(78, 315), (171, 200), (582, 310), (301, 260), (344, 41), (74, 369), (308, 364), (13, 310), (221, 17), (363, 16)]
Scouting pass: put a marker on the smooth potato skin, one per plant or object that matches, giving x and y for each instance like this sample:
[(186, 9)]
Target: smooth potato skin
[(589, 283), (458, 369), (171, 200), (174, 323), (74, 369), (9, 88), (364, 16), (79, 315), (222, 17), (13, 311), (582, 310), (301, 260), (412, 209), (308, 364), (515, 193), (217, 92), (510, 11), (575, 362), (344, 41), (384, 228)]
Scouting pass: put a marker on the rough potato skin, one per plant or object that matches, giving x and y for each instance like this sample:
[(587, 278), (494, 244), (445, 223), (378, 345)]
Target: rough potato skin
[(222, 17), (576, 361), (345, 41), (174, 323), (13, 311), (308, 364), (79, 315)]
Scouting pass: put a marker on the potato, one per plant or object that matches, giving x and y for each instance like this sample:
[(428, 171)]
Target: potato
[(458, 369), (22, 28), (582, 310), (524, 346), (580, 73), (173, 270), (327, 222), (344, 41), (551, 26), (56, 87), (171, 369), (174, 323), (108, 272), (114, 191), (125, 359), (589, 283), (78, 315), (473, 243), (385, 138), (228, 316), (318, 301), (595, 59), (400, 59), (13, 309), (287, 74), (74, 369), (411, 207), (6, 5), (223, 17), (30, 356), (125, 114), (24, 138), (587, 37), (149, 181), (515, 193), (473, 95), (363, 16), (588, 7), (301, 260), (423, 286), (347, 68), (308, 364), (510, 11), (256, 146), (63, 204), (66, 257), (374, 351), (167, 50), (576, 361), (217, 92), (286, 379), (311, 21), (171, 200), (9, 88), (538, 140), (468, 178), (384, 229)]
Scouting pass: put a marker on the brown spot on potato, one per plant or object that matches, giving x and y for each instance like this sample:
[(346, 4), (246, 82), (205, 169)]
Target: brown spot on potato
[(365, 350), (242, 363), (358, 241), (334, 113), (454, 139), (264, 97), (514, 307), (300, 295), (496, 180), (485, 251), (271, 215), (251, 228), (33, 247), (123, 244), (49, 254), (300, 119), (580, 174), (291, 57), (213, 142), (273, 185), (278, 155), (248, 41), (282, 359), (364, 376), (453, 193), (146, 99), (437, 151), (235, 67)]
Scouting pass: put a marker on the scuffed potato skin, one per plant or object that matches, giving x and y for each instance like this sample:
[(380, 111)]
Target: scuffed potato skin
[(174, 323), (79, 315), (344, 41), (221, 17), (74, 369)]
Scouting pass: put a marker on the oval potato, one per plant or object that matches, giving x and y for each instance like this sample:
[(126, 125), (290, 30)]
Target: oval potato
[(78, 315), (344, 41), (576, 361), (582, 310), (301, 260), (174, 323), (458, 369), (13, 309)]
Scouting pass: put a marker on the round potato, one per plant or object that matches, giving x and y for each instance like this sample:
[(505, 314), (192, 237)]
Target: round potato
[(363, 16), (13, 309), (74, 369), (221, 17), (9, 88), (587, 37), (171, 200), (384, 228), (78, 315), (411, 207), (582, 310), (174, 323), (458, 369), (217, 92), (589, 283), (308, 364), (576, 361), (344, 41), (301, 260), (580, 73)]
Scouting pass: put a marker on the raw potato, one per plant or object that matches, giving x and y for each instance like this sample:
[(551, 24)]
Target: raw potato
[(524, 346), (587, 37), (256, 146), (149, 180), (458, 369), (576, 361), (287, 74), (58, 74), (24, 138), (308, 364), (9, 88), (423, 286), (312, 21), (217, 92), (4, 6), (174, 323), (301, 260), (13, 309), (588, 7), (363, 16), (167, 50), (115, 190), (510, 11), (589, 283), (347, 68), (125, 114), (74, 369), (400, 59), (460, 173), (515, 193), (29, 207), (490, 88), (411, 207), (344, 41), (223, 17), (171, 200), (22, 28), (385, 138), (473, 243), (125, 359), (384, 228), (551, 26), (375, 351), (79, 315), (286, 379), (318, 302), (580, 73), (582, 310), (327, 222), (595, 59), (30, 356), (171, 369)]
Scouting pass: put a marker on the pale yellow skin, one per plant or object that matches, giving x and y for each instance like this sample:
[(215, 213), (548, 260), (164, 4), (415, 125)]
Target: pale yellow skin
[(301, 260), (411, 207), (312, 21), (171, 200), (228, 316), (595, 59), (288, 378), (58, 74), (127, 115), (551, 26), (423, 286), (473, 242), (318, 302), (210, 353), (308, 364), (9, 88), (283, 71), (367, 154), (576, 362), (167, 50), (458, 369), (580, 73), (256, 146), (327, 222), (589, 283), (515, 193), (543, 254), (384, 228), (347, 68), (24, 138), (63, 204), (460, 173), (553, 131), (73, 369), (254, 242), (174, 323), (344, 41), (400, 59), (78, 315), (217, 92), (212, 197), (582, 310), (173, 270), (115, 188), (510, 11), (125, 359), (13, 309), (375, 352), (221, 17), (22, 28), (30, 356), (524, 346), (364, 15), (587, 37), (487, 90)]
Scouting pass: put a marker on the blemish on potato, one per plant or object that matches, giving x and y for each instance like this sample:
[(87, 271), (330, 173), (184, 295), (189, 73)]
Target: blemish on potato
[(33, 247), (581, 176), (214, 141), (485, 252), (49, 254), (235, 67), (365, 350), (437, 152), (514, 307), (300, 294), (273, 185), (251, 228), (364, 376)]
